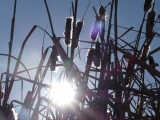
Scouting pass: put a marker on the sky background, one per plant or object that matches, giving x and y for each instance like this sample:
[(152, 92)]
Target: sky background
[(33, 12)]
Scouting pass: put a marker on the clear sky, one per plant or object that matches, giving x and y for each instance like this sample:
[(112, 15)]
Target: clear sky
[(33, 12)]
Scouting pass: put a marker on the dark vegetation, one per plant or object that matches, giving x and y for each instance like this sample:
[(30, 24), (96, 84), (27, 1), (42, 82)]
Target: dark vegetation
[(115, 68)]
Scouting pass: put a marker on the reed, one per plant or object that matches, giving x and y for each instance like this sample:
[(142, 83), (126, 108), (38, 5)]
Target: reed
[(113, 85)]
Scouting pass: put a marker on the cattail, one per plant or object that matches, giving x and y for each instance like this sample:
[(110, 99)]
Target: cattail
[(159, 17), (102, 13), (90, 56), (1, 95), (95, 30), (98, 47), (53, 58), (102, 31), (97, 55), (151, 60), (77, 33), (150, 24), (97, 58), (67, 32), (8, 113), (129, 70), (101, 10), (99, 24), (102, 17), (147, 5)]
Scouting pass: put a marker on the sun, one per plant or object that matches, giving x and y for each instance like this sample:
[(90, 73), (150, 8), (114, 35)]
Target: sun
[(62, 93)]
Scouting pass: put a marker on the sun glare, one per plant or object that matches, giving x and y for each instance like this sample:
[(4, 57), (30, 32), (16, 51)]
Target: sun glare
[(62, 93)]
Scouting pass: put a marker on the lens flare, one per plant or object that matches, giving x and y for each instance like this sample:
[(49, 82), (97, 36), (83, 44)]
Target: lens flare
[(62, 94)]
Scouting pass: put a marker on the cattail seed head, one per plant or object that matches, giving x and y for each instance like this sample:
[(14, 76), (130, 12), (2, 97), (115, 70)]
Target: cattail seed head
[(77, 33), (95, 30), (90, 56), (102, 10), (53, 58), (150, 24), (147, 5), (67, 32)]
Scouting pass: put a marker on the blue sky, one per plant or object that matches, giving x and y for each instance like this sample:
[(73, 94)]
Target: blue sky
[(33, 12)]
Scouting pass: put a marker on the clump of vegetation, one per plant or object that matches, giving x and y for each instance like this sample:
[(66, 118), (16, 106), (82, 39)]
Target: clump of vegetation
[(113, 84)]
